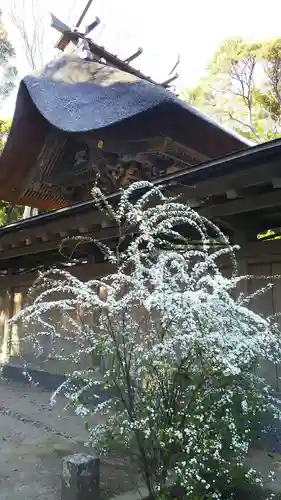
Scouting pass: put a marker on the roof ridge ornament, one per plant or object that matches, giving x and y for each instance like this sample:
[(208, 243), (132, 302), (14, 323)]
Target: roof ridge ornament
[(92, 51)]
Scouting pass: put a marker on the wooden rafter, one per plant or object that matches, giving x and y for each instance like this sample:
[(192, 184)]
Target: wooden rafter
[(249, 204), (239, 179)]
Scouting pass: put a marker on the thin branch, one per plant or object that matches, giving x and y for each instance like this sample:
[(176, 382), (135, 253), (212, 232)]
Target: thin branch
[(247, 125)]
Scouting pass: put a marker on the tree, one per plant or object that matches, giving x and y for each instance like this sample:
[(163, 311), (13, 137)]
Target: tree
[(8, 213), (29, 18), (4, 130), (175, 350), (242, 88), (8, 70)]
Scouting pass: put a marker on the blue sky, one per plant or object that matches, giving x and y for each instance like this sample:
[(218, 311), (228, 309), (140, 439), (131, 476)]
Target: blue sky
[(164, 29)]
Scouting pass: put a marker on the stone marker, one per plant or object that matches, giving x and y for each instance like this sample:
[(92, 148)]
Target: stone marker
[(80, 477)]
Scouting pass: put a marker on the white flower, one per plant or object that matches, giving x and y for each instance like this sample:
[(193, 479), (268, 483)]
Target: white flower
[(147, 433), (244, 406), (168, 342), (81, 410)]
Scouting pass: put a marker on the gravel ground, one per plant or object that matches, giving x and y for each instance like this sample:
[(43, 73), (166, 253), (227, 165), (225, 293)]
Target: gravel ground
[(34, 436)]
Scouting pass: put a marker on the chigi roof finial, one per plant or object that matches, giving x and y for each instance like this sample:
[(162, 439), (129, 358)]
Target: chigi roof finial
[(96, 52)]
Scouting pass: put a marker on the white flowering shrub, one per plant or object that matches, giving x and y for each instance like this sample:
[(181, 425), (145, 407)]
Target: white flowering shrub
[(169, 343)]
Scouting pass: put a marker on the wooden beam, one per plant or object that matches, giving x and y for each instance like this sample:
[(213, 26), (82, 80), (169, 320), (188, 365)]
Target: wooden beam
[(250, 204), (84, 12), (244, 223), (270, 248), (167, 82), (63, 42), (11, 253), (45, 237), (234, 180), (276, 183), (82, 271), (111, 59), (40, 247), (232, 194), (136, 54), (53, 227)]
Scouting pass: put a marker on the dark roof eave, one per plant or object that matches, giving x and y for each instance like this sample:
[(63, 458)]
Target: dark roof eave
[(207, 170)]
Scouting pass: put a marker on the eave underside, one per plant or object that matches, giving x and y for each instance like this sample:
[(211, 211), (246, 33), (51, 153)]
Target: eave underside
[(241, 193)]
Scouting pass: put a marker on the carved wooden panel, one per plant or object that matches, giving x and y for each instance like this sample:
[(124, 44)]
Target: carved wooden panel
[(68, 167)]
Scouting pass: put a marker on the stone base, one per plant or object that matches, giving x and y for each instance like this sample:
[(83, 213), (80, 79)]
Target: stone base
[(80, 477), (50, 382), (46, 380)]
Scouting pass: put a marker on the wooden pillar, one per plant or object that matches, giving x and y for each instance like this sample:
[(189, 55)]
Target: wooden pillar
[(240, 239), (16, 306), (6, 329)]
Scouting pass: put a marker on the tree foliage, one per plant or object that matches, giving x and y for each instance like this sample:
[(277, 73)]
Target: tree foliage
[(8, 212), (8, 70), (242, 87), (176, 351), (31, 18), (4, 130)]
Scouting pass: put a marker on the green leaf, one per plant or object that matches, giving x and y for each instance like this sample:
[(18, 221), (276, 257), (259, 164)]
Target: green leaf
[(242, 88)]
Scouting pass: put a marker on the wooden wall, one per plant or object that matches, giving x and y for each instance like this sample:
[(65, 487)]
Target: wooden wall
[(261, 260), (258, 259), (13, 292)]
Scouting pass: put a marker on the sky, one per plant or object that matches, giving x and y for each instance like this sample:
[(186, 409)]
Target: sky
[(164, 29)]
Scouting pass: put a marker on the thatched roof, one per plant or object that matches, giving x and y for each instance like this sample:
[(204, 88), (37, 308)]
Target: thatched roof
[(74, 104)]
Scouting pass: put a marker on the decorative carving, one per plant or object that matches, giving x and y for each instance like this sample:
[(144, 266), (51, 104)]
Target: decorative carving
[(81, 158), (67, 169)]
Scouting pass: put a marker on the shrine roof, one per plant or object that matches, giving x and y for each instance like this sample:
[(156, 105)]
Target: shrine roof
[(74, 103)]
